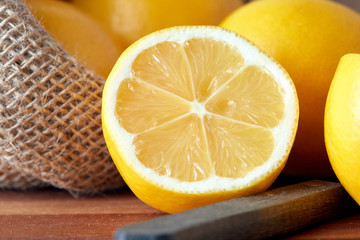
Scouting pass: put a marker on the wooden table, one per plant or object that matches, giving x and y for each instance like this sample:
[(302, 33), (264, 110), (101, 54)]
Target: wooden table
[(55, 214)]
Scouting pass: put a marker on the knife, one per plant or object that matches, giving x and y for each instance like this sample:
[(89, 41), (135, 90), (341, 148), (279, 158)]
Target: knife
[(259, 216)]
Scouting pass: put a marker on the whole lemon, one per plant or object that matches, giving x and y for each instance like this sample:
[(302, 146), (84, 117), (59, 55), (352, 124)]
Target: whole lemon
[(131, 19), (307, 37), (83, 37), (342, 124)]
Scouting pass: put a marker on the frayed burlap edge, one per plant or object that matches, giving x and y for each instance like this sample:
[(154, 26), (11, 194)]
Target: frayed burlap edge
[(50, 122)]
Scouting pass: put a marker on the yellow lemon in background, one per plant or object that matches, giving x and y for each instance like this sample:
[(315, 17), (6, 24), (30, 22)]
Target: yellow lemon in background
[(80, 35), (131, 19), (307, 37), (196, 115), (342, 124)]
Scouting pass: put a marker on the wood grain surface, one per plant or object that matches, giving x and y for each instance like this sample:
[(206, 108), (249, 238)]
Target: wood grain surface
[(55, 214)]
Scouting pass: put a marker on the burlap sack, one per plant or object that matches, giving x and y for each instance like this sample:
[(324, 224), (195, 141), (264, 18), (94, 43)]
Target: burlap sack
[(50, 122)]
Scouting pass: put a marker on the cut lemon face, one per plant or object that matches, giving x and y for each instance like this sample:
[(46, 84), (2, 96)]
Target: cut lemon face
[(196, 115)]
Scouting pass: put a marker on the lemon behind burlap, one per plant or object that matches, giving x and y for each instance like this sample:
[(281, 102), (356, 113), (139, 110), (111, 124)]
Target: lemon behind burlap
[(50, 124)]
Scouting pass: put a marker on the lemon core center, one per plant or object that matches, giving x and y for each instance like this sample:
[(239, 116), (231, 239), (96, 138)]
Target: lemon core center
[(198, 108)]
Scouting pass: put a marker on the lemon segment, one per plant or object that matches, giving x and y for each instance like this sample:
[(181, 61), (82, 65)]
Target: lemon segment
[(157, 106), (165, 65), (177, 149), (236, 148), (212, 64), (252, 97)]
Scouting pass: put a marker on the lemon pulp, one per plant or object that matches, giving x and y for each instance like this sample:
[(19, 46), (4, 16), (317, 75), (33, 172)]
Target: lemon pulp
[(196, 110)]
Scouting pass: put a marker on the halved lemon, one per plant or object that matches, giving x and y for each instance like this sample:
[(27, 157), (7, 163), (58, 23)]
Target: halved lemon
[(197, 115)]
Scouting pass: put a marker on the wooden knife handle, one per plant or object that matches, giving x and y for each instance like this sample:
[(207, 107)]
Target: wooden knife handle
[(258, 216)]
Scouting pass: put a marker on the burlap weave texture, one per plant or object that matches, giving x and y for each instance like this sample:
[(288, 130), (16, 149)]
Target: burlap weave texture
[(50, 122)]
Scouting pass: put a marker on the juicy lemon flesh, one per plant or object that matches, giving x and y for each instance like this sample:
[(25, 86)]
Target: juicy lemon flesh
[(196, 110)]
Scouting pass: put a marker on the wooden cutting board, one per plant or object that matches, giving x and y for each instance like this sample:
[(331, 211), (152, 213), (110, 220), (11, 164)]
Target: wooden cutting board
[(55, 214)]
